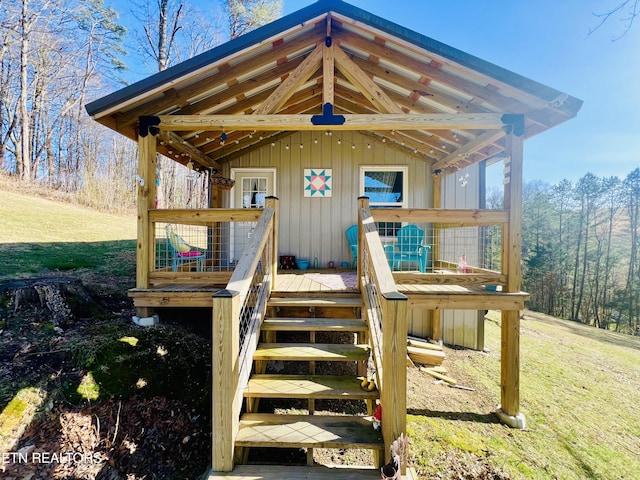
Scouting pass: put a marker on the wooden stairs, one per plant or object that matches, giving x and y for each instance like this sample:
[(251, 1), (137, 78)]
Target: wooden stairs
[(316, 316)]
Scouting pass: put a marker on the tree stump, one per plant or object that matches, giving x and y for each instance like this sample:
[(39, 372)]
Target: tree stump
[(55, 300)]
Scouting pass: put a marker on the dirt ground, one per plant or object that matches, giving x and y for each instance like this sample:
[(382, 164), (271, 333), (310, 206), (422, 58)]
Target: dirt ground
[(149, 417)]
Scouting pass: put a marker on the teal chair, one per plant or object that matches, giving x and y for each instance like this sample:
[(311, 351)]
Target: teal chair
[(409, 249), (182, 252), (352, 240)]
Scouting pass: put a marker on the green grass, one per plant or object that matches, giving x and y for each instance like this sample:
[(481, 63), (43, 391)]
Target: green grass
[(580, 387), (580, 391), (39, 236)]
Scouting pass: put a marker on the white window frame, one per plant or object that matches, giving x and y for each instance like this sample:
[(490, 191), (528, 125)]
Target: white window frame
[(387, 168)]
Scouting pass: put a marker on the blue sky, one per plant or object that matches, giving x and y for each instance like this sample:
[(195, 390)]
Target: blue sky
[(547, 41)]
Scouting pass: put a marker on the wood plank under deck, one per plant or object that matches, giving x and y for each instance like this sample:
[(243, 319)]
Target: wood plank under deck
[(309, 283)]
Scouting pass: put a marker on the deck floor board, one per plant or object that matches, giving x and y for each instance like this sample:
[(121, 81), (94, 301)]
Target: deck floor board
[(427, 296)]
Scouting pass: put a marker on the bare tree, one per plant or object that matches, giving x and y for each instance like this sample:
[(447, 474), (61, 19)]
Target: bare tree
[(8, 78), (627, 11)]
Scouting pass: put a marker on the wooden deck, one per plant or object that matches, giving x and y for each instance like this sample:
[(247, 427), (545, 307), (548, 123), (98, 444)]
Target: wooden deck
[(299, 283)]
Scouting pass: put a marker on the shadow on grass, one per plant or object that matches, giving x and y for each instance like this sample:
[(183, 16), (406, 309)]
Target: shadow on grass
[(456, 416), (117, 257), (585, 468)]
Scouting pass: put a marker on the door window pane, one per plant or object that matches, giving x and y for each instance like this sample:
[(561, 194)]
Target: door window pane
[(254, 192)]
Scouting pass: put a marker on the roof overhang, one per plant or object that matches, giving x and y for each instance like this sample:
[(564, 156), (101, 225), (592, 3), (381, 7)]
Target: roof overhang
[(332, 66)]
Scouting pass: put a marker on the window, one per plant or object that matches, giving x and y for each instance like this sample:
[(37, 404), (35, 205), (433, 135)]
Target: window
[(385, 187)]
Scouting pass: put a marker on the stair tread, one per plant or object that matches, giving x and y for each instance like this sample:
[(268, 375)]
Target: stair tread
[(295, 472), (317, 472), (315, 324), (355, 301), (310, 431), (311, 351), (308, 386)]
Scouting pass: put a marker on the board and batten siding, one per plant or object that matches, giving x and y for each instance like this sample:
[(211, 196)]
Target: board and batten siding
[(464, 328), (311, 227)]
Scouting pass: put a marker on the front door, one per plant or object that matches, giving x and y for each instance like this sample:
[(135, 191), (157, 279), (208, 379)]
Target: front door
[(252, 188)]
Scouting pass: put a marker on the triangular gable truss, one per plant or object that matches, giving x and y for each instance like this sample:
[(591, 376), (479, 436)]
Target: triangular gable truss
[(439, 109)]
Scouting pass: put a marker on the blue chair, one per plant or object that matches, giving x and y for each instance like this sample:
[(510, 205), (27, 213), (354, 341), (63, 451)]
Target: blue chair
[(182, 252), (408, 249), (352, 240)]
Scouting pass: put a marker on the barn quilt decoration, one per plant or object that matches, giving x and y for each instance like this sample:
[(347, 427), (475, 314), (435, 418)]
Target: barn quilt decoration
[(317, 182)]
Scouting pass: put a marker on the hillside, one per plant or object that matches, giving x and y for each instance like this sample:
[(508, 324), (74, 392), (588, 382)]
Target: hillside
[(138, 397), (43, 236)]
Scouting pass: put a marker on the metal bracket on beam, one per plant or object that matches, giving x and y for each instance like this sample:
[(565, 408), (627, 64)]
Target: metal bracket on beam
[(149, 125), (327, 117), (513, 122)]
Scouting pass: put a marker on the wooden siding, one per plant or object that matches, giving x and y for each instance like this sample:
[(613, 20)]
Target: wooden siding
[(464, 328), (312, 227)]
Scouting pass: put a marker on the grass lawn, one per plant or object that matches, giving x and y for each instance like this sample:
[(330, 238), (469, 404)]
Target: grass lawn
[(38, 236), (580, 387), (580, 392)]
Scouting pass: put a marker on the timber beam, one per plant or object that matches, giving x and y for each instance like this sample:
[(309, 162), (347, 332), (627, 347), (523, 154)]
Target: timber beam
[(434, 121), (181, 145)]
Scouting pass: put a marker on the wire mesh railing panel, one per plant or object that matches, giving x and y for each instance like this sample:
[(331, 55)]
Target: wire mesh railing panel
[(468, 247), (424, 247), (374, 312), (201, 248), (373, 299), (249, 311)]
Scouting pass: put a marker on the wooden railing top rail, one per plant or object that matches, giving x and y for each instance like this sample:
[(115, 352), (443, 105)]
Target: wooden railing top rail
[(237, 314), (205, 216), (463, 218), (387, 317), (381, 270)]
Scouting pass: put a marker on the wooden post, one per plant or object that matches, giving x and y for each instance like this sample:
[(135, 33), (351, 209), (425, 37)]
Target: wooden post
[(225, 351), (146, 201), (363, 202), (393, 396), (273, 202), (509, 410)]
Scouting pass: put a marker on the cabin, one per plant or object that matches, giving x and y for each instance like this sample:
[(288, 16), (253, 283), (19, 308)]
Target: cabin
[(346, 158)]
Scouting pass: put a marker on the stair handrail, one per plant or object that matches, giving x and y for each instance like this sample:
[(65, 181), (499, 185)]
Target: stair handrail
[(386, 311), (238, 312)]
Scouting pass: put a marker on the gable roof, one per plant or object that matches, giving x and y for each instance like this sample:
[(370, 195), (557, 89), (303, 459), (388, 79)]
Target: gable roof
[(334, 52)]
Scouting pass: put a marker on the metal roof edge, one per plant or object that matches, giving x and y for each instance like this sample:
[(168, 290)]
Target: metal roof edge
[(570, 105)]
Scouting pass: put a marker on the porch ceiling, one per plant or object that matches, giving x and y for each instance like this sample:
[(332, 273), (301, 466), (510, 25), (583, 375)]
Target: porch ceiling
[(334, 53)]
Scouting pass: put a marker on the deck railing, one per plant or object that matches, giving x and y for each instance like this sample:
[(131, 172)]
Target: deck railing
[(470, 249), (214, 240), (480, 236), (387, 316), (238, 312)]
